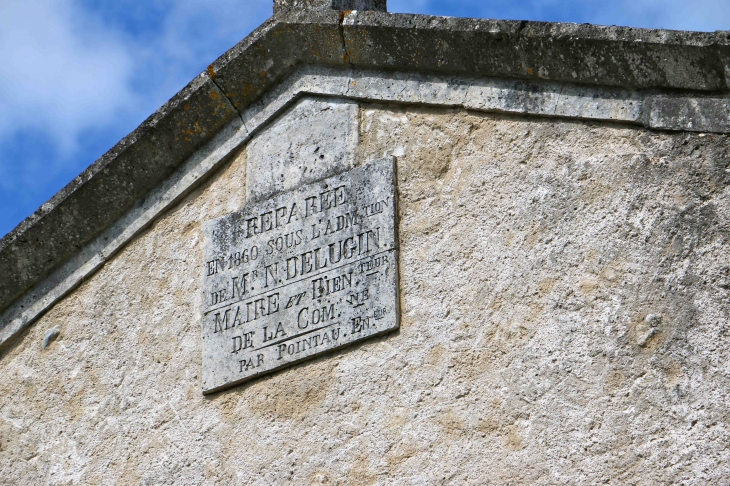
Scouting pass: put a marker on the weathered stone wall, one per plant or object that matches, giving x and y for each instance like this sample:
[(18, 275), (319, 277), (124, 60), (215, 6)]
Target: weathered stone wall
[(564, 295)]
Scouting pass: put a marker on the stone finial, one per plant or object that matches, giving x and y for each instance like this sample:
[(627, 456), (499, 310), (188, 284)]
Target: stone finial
[(282, 6)]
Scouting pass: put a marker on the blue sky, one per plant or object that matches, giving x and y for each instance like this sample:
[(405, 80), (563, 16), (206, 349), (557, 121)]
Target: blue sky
[(78, 75)]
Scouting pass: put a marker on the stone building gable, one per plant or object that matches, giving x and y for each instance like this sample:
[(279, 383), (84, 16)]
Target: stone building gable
[(562, 230)]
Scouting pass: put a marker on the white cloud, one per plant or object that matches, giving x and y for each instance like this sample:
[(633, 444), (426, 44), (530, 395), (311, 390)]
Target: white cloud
[(60, 71), (69, 68)]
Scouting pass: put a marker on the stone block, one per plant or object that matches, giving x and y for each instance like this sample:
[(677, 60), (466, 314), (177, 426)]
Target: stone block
[(284, 6), (583, 54), (694, 114), (274, 50), (315, 138)]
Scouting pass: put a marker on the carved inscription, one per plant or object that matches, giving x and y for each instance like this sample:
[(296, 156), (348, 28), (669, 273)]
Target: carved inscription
[(300, 274)]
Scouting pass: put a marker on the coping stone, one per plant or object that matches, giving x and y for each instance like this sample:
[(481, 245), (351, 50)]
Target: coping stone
[(273, 51), (694, 114), (611, 56), (284, 6)]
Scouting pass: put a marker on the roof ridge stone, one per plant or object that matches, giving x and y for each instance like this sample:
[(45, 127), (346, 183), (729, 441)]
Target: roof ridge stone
[(285, 6)]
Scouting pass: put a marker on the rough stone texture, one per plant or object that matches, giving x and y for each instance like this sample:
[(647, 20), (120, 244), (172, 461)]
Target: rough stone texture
[(297, 148), (686, 113), (564, 303), (361, 5), (271, 52), (285, 6), (500, 95), (611, 56)]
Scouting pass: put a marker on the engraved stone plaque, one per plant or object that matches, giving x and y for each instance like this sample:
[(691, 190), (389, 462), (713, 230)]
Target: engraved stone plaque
[(300, 274)]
